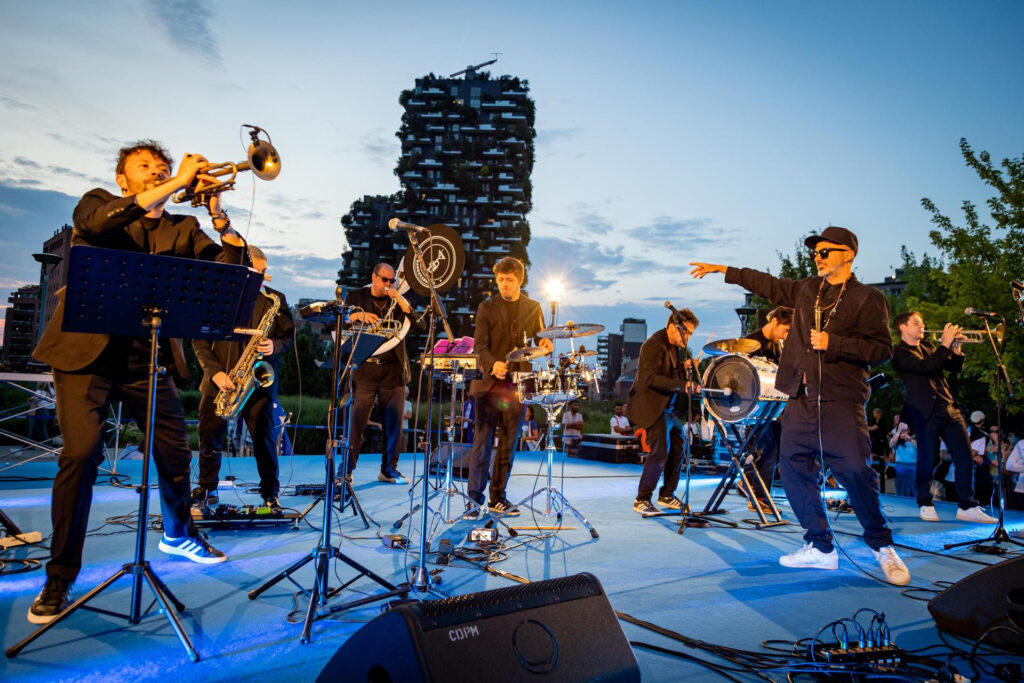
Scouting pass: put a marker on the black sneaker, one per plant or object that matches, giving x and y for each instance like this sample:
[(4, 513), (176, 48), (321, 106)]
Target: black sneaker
[(52, 600), (503, 507), (670, 502), (272, 503), (473, 512), (644, 507), (390, 475), (202, 497)]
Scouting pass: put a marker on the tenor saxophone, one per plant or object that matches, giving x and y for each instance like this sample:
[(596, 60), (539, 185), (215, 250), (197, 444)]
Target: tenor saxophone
[(250, 369)]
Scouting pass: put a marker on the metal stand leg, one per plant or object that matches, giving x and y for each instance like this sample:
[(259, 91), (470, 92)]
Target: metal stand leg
[(139, 570), (555, 501)]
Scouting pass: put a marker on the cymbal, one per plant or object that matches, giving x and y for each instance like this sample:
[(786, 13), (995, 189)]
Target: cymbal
[(527, 354), (586, 354), (722, 347), (570, 330)]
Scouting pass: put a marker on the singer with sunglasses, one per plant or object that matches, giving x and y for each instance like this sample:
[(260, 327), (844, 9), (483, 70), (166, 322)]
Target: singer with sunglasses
[(380, 378), (840, 328)]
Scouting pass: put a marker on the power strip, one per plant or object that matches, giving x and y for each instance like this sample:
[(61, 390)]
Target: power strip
[(884, 655), (21, 539)]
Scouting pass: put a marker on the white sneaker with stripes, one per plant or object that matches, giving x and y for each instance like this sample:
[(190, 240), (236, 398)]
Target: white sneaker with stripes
[(195, 548)]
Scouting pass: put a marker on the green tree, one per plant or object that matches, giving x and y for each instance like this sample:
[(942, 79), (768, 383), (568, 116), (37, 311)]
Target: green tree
[(305, 377), (981, 260)]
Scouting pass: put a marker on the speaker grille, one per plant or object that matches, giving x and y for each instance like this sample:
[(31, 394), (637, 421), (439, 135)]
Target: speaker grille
[(438, 613)]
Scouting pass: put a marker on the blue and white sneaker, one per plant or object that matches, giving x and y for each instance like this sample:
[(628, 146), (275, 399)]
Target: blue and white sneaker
[(195, 548)]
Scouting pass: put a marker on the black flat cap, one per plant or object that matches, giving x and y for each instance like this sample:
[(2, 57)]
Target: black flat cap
[(835, 235)]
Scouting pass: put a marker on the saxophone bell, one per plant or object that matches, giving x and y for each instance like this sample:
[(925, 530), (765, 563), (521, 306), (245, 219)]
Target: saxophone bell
[(263, 373)]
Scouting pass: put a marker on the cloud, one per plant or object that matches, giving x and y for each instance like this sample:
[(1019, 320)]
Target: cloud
[(187, 24), (14, 103), (32, 166), (552, 136), (381, 148), (683, 233)]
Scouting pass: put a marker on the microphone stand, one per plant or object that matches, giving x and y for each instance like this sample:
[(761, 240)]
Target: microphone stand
[(999, 535), (421, 578)]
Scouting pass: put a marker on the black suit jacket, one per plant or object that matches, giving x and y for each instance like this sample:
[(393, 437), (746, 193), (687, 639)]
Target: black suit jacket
[(858, 335), (496, 335), (659, 375), (925, 389), (105, 220), (221, 356)]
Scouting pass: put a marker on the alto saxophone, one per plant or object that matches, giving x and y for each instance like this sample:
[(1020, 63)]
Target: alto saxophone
[(250, 369)]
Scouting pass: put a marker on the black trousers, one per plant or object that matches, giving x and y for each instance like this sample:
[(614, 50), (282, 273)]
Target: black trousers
[(767, 446), (498, 409), (945, 425), (371, 383), (258, 413), (666, 441), (847, 452), (83, 401)]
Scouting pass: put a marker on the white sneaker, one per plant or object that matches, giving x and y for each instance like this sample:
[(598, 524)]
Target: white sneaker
[(810, 557), (895, 571), (975, 514), (928, 513)]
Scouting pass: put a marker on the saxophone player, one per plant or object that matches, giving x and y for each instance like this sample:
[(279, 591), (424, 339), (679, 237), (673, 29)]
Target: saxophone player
[(217, 360)]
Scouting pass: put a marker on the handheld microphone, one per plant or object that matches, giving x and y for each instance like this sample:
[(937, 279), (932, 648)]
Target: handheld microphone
[(817, 321), (981, 314), (395, 224)]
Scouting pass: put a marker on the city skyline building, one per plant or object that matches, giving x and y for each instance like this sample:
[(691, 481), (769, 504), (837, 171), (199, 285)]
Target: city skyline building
[(467, 154)]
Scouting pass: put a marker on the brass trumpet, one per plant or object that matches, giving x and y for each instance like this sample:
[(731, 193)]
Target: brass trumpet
[(261, 158), (969, 336)]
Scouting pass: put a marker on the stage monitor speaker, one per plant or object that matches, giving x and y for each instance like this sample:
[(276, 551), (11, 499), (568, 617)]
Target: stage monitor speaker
[(555, 630), (991, 597), (460, 460)]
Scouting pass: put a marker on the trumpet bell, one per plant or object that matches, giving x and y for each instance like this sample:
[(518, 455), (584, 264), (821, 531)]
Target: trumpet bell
[(263, 160)]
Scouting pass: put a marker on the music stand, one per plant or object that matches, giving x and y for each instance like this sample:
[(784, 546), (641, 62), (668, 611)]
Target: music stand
[(359, 346), (143, 295)]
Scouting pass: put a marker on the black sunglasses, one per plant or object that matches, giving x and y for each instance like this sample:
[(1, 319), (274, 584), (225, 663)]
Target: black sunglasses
[(823, 253), (388, 279)]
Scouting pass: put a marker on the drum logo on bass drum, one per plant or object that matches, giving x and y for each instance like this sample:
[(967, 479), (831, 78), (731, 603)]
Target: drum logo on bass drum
[(457, 634)]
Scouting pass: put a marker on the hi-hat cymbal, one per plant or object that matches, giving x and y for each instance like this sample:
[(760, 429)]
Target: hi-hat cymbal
[(586, 354), (570, 330), (726, 346), (527, 354)]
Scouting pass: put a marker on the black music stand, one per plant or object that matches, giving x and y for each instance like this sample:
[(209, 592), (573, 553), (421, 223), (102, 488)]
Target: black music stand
[(135, 295), (359, 347)]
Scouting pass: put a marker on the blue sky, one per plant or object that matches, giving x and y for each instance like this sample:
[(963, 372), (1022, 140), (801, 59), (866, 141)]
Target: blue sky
[(667, 131)]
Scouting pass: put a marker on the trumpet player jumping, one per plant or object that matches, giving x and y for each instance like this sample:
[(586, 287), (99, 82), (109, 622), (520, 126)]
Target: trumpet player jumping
[(929, 406), (220, 361)]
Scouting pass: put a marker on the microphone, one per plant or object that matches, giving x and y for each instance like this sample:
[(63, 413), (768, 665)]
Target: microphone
[(981, 314), (396, 224)]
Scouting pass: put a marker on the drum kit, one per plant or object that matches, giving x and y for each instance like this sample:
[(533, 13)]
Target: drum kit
[(553, 387), (739, 393)]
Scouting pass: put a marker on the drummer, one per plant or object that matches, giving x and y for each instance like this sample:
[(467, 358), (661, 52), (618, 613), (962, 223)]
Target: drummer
[(771, 337), (505, 322), (661, 374), (773, 334)]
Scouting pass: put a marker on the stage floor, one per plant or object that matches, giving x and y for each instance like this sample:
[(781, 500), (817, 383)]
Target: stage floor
[(718, 585)]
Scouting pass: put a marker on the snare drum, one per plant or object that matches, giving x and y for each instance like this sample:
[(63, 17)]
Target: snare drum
[(546, 387), (751, 382)]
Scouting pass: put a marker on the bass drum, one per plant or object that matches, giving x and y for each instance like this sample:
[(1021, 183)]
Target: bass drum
[(751, 385)]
